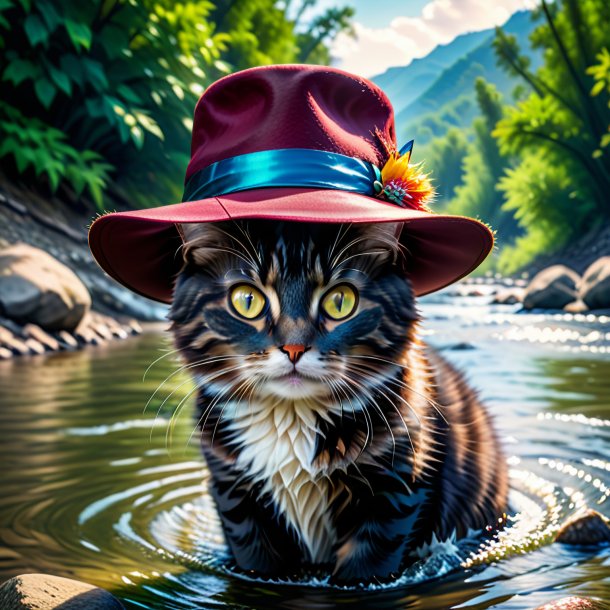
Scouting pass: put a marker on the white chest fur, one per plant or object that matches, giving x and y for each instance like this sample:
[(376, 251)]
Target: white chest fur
[(278, 440)]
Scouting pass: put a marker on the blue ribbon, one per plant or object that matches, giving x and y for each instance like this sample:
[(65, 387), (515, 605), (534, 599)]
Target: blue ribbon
[(287, 167)]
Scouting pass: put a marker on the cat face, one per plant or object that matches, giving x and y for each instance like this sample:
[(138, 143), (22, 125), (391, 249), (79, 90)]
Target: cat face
[(290, 310)]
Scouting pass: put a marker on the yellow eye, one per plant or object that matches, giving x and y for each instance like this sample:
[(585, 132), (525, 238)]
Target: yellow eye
[(340, 302), (247, 301)]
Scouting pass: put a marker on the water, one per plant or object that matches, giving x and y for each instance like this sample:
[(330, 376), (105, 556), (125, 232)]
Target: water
[(94, 488)]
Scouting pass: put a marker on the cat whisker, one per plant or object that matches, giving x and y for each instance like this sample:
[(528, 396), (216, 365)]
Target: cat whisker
[(182, 368), (246, 234), (378, 408), (166, 355), (190, 393), (438, 408), (401, 383), (244, 247)]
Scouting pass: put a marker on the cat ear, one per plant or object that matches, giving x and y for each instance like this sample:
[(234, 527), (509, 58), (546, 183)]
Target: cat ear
[(202, 242), (381, 241)]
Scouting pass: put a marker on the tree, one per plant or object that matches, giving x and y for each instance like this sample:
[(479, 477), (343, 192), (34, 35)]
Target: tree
[(561, 115), (483, 167), (98, 96)]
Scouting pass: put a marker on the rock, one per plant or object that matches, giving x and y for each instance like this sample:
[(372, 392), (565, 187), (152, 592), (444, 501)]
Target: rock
[(509, 296), (86, 336), (552, 288), (46, 592), (67, 339), (34, 346), (594, 287), (119, 332), (5, 334), (15, 329), (102, 330), (460, 347), (135, 328), (577, 306), (35, 332), (16, 346), (574, 603), (35, 287), (588, 527)]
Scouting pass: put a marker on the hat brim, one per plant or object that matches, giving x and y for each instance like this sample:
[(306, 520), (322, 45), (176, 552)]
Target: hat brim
[(141, 249)]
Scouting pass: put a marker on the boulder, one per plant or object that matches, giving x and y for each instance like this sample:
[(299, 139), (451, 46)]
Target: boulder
[(36, 288), (509, 296), (578, 306), (46, 592), (586, 528), (594, 287), (551, 288)]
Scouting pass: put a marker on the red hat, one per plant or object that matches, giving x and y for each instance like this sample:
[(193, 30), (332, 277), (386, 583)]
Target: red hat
[(296, 143)]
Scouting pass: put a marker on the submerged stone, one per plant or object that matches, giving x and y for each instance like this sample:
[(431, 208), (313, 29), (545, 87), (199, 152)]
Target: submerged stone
[(47, 592)]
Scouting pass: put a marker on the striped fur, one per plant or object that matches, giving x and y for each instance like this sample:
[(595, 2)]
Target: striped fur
[(367, 449)]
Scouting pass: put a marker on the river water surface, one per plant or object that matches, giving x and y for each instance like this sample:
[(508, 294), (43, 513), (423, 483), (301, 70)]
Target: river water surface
[(96, 488)]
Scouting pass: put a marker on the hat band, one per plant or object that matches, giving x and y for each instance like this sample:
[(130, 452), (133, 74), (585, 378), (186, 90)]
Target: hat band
[(287, 167)]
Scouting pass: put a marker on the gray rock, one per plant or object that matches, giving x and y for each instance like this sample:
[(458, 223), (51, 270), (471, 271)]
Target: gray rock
[(16, 346), (594, 288), (35, 287), (509, 296), (589, 527), (46, 592), (34, 346), (35, 332), (552, 288), (67, 339)]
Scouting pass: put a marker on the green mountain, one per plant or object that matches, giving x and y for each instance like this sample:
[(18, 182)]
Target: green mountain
[(404, 84), (434, 93)]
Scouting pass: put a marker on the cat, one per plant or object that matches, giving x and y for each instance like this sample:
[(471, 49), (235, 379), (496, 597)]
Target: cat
[(335, 438)]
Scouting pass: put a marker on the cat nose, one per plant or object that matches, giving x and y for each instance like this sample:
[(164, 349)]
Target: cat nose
[(294, 352)]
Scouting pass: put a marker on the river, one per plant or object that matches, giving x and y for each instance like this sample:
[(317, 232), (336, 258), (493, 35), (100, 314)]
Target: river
[(98, 488)]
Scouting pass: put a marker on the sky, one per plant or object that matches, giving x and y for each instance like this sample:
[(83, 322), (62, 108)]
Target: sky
[(394, 32)]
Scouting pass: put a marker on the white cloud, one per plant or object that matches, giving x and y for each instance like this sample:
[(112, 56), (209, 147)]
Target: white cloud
[(375, 49)]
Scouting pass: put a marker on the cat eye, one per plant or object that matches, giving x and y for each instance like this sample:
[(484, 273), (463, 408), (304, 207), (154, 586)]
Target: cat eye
[(340, 302), (247, 301)]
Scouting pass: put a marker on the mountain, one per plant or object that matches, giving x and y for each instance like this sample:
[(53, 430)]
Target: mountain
[(436, 92), (403, 84)]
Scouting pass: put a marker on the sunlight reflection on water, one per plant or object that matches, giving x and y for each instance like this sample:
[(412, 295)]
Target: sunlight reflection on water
[(95, 489)]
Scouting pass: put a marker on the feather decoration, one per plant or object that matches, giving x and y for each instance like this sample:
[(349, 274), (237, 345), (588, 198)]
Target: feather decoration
[(404, 183)]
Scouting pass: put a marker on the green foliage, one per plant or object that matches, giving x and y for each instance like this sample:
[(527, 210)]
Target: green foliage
[(567, 114), (119, 79), (601, 75), (34, 146), (483, 167), (443, 158), (549, 152), (528, 189)]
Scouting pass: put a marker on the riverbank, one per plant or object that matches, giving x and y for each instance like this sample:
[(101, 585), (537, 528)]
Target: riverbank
[(61, 230), (54, 235)]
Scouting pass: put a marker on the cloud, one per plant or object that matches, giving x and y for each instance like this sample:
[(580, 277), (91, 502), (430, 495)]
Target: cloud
[(373, 50)]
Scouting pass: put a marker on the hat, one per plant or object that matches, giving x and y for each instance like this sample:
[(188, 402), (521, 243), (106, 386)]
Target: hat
[(297, 143)]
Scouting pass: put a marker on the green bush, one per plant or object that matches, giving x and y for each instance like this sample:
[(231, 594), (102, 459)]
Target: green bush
[(99, 95), (548, 203)]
